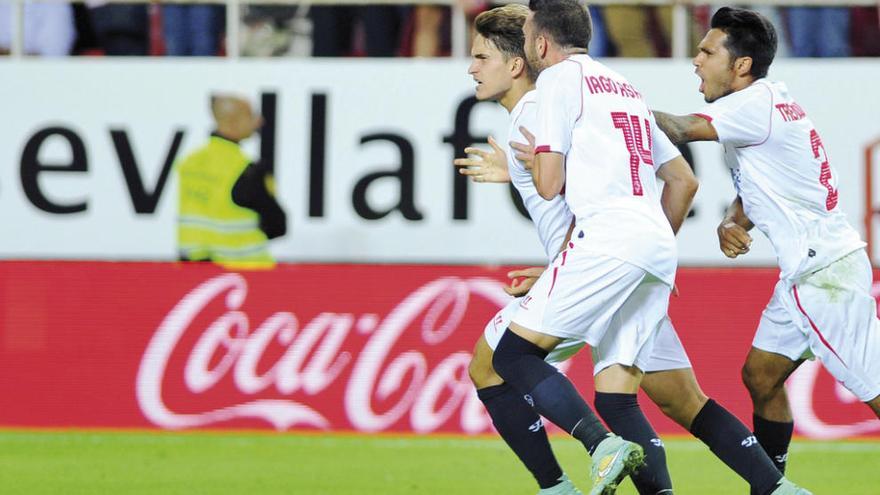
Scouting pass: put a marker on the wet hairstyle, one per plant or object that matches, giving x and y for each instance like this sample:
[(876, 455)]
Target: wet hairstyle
[(567, 22), (749, 34)]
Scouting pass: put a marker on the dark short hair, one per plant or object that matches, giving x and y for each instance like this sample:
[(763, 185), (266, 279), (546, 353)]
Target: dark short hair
[(567, 22), (749, 34)]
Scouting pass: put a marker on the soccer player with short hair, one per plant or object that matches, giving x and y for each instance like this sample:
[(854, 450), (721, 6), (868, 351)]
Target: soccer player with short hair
[(821, 306), (498, 67)]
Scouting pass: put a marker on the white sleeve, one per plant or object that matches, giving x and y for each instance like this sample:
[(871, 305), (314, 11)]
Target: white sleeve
[(560, 103), (662, 149), (741, 118)]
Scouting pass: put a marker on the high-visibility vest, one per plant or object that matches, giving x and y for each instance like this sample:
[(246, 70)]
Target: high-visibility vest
[(210, 226)]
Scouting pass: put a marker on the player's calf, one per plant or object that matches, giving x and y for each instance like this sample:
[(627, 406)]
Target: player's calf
[(521, 364), (517, 423), (622, 414)]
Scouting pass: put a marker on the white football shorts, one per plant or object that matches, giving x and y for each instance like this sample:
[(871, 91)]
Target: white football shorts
[(668, 353), (615, 307), (829, 314)]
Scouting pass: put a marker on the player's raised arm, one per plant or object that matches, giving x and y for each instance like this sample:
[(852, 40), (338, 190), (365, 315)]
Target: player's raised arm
[(685, 128), (679, 187)]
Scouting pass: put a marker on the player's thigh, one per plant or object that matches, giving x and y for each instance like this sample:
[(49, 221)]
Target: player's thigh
[(779, 333), (631, 335), (578, 295), (496, 327), (839, 316)]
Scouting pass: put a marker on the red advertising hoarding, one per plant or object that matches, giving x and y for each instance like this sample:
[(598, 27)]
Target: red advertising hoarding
[(368, 348)]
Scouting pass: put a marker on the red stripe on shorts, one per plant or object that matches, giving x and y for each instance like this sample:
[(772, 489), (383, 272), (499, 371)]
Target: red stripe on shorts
[(815, 328), (553, 282)]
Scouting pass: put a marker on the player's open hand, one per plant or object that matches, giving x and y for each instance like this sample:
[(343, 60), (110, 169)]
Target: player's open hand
[(525, 152), (733, 239), (522, 280), (484, 166)]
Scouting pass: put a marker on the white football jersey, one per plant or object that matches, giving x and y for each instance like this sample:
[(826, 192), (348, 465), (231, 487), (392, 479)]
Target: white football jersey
[(782, 173), (551, 218), (602, 125)]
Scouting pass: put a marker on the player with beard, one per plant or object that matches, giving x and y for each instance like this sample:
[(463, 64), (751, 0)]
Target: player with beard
[(821, 306)]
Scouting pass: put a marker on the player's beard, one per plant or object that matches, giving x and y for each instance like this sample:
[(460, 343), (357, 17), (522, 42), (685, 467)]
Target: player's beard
[(726, 88), (534, 64)]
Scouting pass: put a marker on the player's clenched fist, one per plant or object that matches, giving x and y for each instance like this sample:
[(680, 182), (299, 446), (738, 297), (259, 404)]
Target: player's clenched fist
[(733, 239), (484, 166)]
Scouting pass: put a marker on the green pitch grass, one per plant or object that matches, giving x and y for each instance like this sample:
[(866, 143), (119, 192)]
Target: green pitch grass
[(101, 462)]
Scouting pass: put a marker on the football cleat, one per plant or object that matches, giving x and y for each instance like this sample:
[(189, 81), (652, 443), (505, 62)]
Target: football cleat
[(786, 487), (613, 460), (566, 487)]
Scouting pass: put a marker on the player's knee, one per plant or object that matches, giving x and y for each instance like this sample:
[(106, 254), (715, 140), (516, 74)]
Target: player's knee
[(510, 351), (759, 384), (481, 372), (685, 408)]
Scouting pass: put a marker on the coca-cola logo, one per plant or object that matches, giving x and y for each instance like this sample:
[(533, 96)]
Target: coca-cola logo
[(315, 359), (402, 368)]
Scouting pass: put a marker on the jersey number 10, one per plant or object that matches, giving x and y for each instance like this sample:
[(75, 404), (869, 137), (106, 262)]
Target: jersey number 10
[(635, 144), (824, 170)]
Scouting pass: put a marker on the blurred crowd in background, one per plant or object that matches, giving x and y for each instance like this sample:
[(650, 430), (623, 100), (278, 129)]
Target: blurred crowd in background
[(99, 28)]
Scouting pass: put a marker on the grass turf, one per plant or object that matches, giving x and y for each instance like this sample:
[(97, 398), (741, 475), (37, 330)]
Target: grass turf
[(97, 462)]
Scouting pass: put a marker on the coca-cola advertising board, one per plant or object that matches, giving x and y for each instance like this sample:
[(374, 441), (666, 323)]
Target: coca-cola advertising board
[(367, 348)]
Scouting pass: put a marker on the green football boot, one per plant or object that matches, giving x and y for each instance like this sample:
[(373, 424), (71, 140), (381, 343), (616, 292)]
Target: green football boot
[(564, 488), (613, 460), (786, 487)]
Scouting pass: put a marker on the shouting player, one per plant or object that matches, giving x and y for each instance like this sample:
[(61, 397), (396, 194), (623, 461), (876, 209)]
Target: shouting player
[(821, 306), (670, 381)]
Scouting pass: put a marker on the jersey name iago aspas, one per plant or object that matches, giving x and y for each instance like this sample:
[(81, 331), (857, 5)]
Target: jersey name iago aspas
[(782, 172), (602, 125)]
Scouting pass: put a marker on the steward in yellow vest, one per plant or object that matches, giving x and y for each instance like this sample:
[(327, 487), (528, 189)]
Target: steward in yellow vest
[(227, 209)]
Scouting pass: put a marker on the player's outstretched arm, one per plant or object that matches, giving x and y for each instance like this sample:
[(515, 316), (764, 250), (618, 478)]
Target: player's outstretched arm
[(679, 187), (685, 128), (733, 236), (484, 166)]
